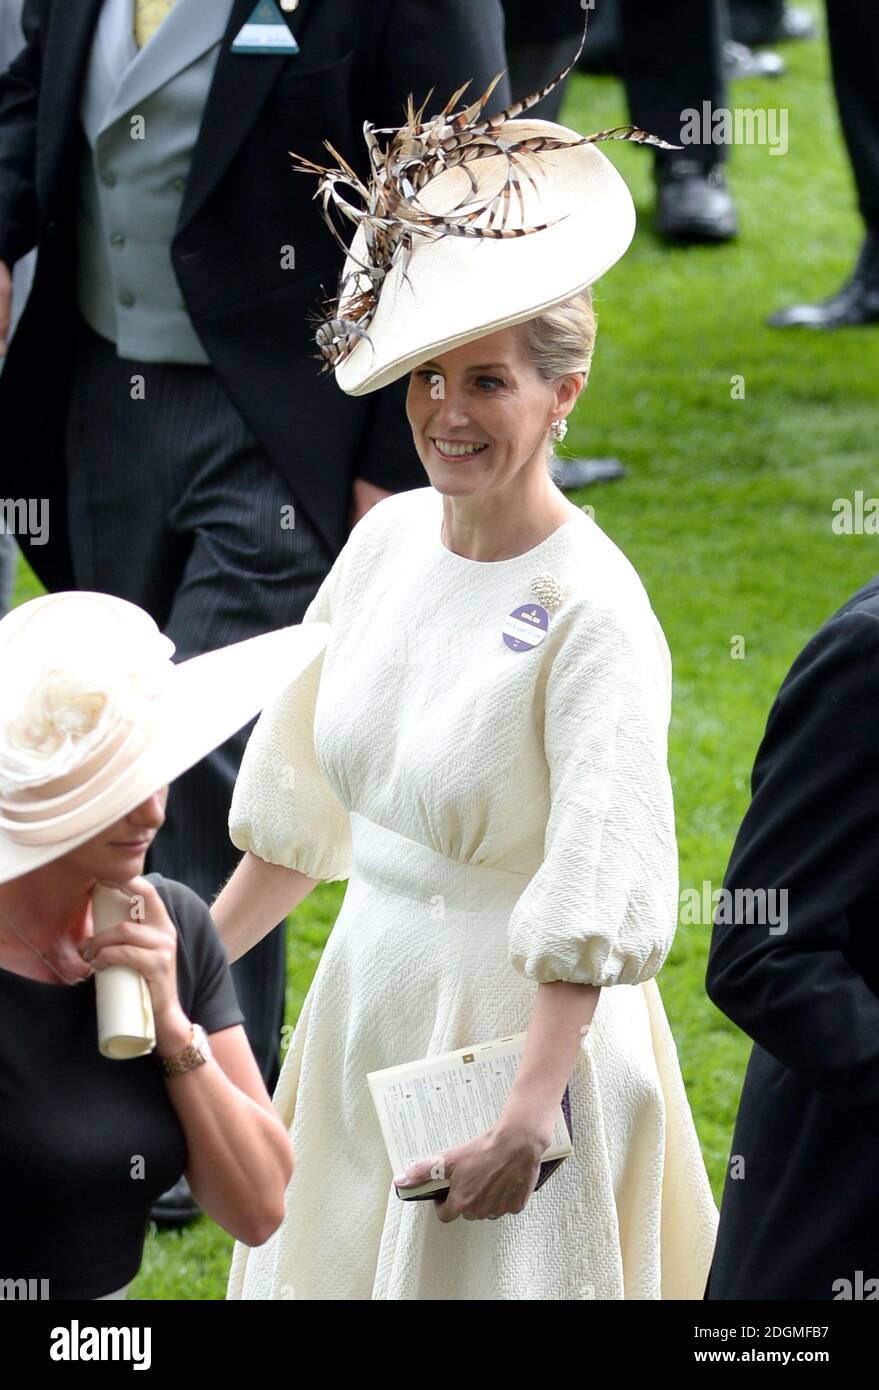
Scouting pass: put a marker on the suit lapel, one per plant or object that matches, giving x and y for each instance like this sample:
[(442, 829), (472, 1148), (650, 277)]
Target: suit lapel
[(191, 28), (240, 86)]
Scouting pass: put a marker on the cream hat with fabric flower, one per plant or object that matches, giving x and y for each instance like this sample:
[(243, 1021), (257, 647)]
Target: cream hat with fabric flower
[(95, 717)]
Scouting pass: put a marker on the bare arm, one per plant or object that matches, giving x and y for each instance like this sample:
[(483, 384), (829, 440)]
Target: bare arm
[(240, 1159), (562, 1014), (240, 1155), (255, 899), (5, 305)]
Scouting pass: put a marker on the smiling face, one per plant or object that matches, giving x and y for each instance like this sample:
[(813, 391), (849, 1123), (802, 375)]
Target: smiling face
[(481, 413), (117, 854)]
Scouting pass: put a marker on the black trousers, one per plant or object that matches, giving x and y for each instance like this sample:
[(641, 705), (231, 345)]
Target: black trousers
[(532, 65), (853, 30), (173, 506), (673, 60), (755, 21)]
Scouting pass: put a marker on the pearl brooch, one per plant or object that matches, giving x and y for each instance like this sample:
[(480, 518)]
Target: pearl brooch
[(548, 591)]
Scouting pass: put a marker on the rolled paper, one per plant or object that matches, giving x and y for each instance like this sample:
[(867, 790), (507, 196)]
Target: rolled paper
[(126, 1027)]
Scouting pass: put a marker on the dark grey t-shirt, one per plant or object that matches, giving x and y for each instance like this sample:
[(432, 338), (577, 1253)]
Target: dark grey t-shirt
[(88, 1144)]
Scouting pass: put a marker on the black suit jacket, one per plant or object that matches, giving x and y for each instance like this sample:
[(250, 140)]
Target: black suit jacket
[(805, 1211), (242, 204)]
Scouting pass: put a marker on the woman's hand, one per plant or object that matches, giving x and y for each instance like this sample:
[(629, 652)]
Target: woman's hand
[(492, 1175), (147, 943), (5, 304)]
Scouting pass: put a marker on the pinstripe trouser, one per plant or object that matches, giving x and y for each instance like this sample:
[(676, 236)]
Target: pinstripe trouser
[(173, 506)]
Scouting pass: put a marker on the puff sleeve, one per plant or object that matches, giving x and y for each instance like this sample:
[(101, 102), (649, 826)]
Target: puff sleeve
[(283, 808), (602, 907)]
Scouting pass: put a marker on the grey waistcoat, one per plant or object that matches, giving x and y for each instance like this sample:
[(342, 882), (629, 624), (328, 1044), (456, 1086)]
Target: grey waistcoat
[(141, 111)]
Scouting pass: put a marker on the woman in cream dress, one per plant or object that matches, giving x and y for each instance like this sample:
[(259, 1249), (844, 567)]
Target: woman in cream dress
[(481, 753)]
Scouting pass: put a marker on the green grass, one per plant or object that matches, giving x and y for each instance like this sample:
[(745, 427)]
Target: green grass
[(725, 512)]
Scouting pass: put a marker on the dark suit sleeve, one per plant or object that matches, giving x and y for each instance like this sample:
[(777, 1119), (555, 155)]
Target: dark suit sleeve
[(439, 44), (19, 95), (812, 829)]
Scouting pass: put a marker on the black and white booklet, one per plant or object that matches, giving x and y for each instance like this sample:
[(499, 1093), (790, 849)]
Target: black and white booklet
[(437, 1103)]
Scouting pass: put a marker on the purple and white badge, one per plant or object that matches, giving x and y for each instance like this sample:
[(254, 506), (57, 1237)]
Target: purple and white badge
[(526, 627)]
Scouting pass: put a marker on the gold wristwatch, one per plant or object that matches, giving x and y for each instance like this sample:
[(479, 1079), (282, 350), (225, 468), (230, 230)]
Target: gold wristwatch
[(195, 1054)]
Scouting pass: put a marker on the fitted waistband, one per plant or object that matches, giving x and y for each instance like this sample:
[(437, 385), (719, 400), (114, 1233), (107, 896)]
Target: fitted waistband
[(405, 866)]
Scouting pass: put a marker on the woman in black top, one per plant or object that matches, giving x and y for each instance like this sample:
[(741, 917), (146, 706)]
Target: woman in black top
[(94, 717), (87, 1144)]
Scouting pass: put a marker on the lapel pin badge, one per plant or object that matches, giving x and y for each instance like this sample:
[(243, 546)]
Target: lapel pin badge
[(267, 31), (528, 624)]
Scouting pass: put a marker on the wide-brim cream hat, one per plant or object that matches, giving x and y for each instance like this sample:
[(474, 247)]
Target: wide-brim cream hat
[(95, 717), (469, 224), (453, 289)]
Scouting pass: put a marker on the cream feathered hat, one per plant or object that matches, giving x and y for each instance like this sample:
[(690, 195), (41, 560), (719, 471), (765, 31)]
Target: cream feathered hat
[(469, 223), (95, 717)]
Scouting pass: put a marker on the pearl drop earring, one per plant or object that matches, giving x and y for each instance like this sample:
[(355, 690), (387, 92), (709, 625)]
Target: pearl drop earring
[(559, 429)]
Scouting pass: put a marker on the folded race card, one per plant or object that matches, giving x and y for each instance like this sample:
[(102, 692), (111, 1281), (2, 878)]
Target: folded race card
[(435, 1104)]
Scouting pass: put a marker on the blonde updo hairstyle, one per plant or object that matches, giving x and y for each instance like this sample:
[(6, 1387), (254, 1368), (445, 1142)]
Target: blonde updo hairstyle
[(561, 341)]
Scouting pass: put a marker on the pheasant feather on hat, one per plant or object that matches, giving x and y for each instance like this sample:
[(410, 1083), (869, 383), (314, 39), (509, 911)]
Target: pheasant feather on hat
[(415, 281)]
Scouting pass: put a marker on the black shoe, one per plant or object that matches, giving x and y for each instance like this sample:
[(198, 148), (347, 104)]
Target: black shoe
[(741, 61), (693, 202), (854, 305), (581, 472), (857, 303), (753, 28), (176, 1207), (794, 24)]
